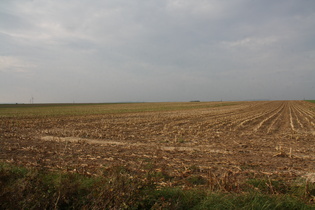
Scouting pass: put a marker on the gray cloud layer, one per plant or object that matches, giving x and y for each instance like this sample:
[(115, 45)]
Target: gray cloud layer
[(166, 50)]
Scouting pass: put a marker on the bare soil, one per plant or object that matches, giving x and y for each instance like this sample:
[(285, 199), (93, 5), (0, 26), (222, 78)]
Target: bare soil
[(275, 138)]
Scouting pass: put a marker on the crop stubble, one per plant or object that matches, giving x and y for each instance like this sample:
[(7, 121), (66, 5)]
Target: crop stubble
[(263, 137)]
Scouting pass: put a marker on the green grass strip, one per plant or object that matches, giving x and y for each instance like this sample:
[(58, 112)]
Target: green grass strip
[(22, 188)]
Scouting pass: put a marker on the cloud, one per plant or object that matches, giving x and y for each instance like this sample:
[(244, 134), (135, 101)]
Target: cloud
[(119, 50), (14, 64), (252, 43)]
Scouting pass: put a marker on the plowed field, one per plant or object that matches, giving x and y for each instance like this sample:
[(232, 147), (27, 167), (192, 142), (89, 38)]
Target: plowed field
[(275, 138)]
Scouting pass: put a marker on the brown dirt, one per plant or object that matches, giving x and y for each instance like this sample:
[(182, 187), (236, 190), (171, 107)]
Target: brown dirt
[(267, 137)]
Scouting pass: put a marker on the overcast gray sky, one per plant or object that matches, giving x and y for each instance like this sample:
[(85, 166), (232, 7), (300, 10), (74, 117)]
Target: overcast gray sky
[(156, 50)]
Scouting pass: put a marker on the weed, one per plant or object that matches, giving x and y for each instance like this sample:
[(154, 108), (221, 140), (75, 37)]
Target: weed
[(181, 140), (196, 180), (122, 188)]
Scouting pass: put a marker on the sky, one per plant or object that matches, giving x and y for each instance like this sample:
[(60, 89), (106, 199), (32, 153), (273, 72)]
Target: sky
[(56, 51)]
